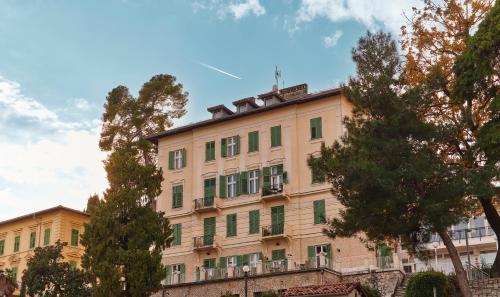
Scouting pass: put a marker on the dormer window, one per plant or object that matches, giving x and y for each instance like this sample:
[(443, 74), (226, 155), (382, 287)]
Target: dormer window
[(268, 101), (242, 108)]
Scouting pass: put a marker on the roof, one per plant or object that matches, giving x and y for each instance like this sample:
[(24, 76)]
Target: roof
[(220, 107), (48, 210), (324, 290), (250, 100), (299, 100)]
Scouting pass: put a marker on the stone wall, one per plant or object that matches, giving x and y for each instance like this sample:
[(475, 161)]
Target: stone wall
[(486, 288), (385, 281)]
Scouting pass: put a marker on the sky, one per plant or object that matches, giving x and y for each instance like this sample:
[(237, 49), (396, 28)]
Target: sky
[(59, 59)]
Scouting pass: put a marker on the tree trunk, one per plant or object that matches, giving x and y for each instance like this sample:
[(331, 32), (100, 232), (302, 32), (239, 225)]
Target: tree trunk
[(494, 221), (463, 284)]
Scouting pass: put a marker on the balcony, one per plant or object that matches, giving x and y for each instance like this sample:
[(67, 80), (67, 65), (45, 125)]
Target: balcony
[(207, 204), (205, 242), (175, 278), (275, 266), (275, 231), (474, 236), (273, 193)]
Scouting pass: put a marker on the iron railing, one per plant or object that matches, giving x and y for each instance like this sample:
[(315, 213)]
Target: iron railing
[(272, 230), (274, 266), (202, 203), (175, 278), (461, 234), (204, 241), (271, 190)]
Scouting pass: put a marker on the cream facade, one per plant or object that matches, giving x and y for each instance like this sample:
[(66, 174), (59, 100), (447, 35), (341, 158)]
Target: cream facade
[(20, 236), (235, 201)]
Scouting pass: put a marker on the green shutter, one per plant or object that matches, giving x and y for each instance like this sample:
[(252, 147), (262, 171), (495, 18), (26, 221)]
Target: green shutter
[(245, 260), (223, 147), (311, 253), (237, 150), (74, 237), (210, 151), (222, 262), (171, 160), (197, 273), (316, 129), (278, 215), (275, 136), (168, 272), (72, 264), (278, 254), (209, 263), (238, 184), (253, 141), (17, 241), (177, 196), (177, 233), (285, 177), (222, 186), (244, 182), (254, 221), (183, 152), (32, 239), (319, 211), (266, 171), (46, 237), (280, 168), (231, 225), (328, 250), (2, 247)]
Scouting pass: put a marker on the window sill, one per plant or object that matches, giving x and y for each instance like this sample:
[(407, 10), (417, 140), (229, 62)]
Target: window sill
[(255, 153), (316, 140), (275, 148), (211, 162), (230, 158), (176, 170), (317, 184)]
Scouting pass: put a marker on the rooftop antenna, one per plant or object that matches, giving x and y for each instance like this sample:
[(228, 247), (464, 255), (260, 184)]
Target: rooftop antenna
[(277, 75)]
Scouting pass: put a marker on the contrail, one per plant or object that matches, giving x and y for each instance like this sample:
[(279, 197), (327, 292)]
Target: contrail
[(218, 70)]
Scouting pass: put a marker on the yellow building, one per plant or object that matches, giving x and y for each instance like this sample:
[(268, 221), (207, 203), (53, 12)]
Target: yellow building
[(238, 190), (20, 236)]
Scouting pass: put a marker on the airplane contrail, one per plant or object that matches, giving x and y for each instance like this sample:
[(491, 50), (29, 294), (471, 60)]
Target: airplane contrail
[(218, 70)]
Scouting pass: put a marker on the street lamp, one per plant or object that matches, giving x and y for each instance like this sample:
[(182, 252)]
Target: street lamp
[(246, 269), (435, 244)]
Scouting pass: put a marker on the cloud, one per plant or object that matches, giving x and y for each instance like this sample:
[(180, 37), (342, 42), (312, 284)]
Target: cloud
[(45, 161), (331, 41), (237, 9), (373, 14), (82, 104)]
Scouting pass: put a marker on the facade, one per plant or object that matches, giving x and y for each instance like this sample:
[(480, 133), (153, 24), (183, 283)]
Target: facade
[(328, 290), (238, 191), (20, 236)]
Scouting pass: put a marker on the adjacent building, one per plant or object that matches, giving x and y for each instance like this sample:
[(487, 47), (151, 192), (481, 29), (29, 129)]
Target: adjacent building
[(20, 236), (238, 191)]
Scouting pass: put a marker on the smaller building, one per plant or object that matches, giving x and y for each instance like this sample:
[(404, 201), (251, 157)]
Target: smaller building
[(328, 290), (20, 236)]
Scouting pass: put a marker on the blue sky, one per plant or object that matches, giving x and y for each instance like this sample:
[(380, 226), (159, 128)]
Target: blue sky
[(58, 60)]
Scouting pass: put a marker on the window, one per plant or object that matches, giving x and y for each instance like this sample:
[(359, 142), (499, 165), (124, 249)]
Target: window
[(254, 221), (276, 177), (14, 272), (268, 101), (253, 141), (209, 263), (177, 196), (253, 181), (231, 261), (232, 185), (177, 159), (17, 242), (275, 136), (2, 246), (278, 254), (46, 236), (209, 151), (253, 259), (230, 146), (72, 264), (315, 253), (32, 239), (316, 130), (242, 108), (319, 211), (177, 234), (74, 237), (231, 225)]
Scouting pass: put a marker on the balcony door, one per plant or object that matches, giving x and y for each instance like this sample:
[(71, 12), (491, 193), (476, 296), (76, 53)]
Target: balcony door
[(209, 192), (277, 219), (208, 231)]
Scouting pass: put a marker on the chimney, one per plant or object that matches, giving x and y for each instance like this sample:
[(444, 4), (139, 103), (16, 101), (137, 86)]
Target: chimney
[(275, 88)]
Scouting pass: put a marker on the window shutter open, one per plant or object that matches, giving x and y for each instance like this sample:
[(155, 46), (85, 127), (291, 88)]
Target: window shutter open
[(46, 237), (266, 172), (237, 150), (244, 182), (171, 160), (280, 168), (223, 147), (182, 268), (245, 260), (222, 186), (311, 253), (238, 184), (328, 250), (222, 262), (183, 152), (168, 272), (208, 151), (319, 211), (285, 177)]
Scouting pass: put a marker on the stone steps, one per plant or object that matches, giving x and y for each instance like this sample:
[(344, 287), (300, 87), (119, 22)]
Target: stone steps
[(400, 291)]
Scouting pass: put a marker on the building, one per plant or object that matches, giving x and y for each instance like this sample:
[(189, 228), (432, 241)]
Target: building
[(20, 236), (238, 191)]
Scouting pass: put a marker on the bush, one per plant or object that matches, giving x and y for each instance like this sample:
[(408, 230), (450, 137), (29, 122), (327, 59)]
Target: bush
[(421, 285), (371, 291)]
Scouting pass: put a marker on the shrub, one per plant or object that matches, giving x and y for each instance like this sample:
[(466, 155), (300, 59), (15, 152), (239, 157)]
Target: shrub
[(421, 285), (372, 292)]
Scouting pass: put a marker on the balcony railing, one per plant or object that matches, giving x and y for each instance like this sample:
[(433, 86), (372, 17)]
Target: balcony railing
[(319, 262), (273, 230), (275, 266), (175, 278), (205, 242), (272, 190), (205, 204), (460, 235)]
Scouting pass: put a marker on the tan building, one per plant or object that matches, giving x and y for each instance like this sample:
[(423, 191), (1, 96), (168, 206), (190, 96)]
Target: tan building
[(238, 190), (20, 236)]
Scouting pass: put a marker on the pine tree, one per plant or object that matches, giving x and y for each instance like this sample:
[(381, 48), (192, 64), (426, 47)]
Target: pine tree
[(385, 171), (125, 236)]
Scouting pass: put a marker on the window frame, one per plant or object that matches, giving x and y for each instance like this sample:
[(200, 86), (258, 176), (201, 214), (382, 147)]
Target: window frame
[(178, 159), (231, 146), (75, 244), (177, 203), (253, 181), (231, 186), (17, 243), (276, 178), (32, 239)]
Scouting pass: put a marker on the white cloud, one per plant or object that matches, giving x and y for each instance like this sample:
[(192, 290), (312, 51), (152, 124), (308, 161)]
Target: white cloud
[(331, 41), (55, 162), (82, 104), (371, 13), (237, 9)]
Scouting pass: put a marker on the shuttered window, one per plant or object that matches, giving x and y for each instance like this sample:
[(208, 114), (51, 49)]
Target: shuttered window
[(2, 247), (209, 263), (177, 234), (17, 242), (210, 151), (46, 236), (254, 221), (177, 193), (74, 237), (319, 211), (316, 129), (32, 239), (231, 225), (230, 146), (177, 159), (278, 254), (275, 136), (253, 141)]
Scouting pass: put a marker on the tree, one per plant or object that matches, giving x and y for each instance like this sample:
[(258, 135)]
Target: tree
[(385, 170), (435, 38), (8, 283), (125, 236), (47, 275)]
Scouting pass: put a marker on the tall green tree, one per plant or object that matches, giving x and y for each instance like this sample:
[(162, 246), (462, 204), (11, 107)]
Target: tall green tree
[(385, 171), (125, 236), (8, 283), (48, 275)]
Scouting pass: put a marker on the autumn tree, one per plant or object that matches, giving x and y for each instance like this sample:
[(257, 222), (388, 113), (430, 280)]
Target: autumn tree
[(8, 283), (125, 236), (385, 171), (433, 40)]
